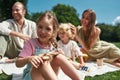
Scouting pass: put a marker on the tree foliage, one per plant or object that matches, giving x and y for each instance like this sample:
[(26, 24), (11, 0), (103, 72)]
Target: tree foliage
[(6, 8), (66, 13), (116, 33), (35, 16), (109, 32), (106, 32)]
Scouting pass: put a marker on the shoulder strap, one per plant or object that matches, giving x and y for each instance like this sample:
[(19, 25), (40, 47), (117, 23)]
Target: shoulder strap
[(36, 45)]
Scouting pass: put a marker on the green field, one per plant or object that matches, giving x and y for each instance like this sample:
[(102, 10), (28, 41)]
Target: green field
[(117, 44), (108, 76)]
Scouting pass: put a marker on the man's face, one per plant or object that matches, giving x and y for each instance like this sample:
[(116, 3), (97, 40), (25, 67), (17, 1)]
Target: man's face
[(18, 11)]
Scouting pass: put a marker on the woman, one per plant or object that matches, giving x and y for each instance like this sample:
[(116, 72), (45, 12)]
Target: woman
[(88, 36)]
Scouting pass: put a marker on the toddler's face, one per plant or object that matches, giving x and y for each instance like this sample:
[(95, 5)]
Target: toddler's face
[(63, 35)]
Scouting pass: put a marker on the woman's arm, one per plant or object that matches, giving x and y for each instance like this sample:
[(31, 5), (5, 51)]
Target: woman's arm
[(80, 41)]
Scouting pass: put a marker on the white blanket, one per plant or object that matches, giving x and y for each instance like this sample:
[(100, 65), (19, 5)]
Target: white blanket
[(11, 69)]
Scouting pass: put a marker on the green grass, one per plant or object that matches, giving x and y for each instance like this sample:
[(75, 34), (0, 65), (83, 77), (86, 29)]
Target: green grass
[(117, 44), (3, 76), (108, 76)]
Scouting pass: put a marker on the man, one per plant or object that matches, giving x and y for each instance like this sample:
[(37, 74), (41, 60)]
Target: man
[(14, 32)]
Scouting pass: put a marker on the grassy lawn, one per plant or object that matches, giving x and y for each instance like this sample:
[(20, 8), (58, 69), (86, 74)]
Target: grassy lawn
[(117, 44), (108, 76), (3, 76)]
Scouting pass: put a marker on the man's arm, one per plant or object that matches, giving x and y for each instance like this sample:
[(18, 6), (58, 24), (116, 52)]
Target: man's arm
[(20, 35)]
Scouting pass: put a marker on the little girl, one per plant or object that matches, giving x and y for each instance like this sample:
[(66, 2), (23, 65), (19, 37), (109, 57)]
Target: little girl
[(69, 46), (41, 55)]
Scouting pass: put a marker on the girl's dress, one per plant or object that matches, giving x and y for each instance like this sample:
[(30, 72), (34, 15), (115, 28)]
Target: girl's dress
[(32, 47), (102, 49)]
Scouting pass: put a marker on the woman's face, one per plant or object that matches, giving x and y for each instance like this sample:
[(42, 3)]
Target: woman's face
[(44, 31), (85, 19)]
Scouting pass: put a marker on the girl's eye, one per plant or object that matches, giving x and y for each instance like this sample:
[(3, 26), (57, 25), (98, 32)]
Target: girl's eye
[(48, 29), (61, 32), (17, 10), (40, 27)]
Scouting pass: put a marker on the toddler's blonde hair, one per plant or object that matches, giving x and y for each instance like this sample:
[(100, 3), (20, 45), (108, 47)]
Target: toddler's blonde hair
[(66, 27)]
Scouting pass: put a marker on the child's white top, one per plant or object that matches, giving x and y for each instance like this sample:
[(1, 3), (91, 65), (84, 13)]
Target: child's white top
[(69, 48)]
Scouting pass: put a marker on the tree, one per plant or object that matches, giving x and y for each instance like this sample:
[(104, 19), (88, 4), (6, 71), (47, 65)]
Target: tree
[(116, 33), (66, 13), (35, 16), (106, 32), (6, 8)]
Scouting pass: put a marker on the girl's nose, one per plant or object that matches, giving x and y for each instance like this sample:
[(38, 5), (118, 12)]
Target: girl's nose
[(43, 31)]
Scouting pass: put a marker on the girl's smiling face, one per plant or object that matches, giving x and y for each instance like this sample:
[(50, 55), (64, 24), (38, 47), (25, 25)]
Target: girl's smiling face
[(44, 31)]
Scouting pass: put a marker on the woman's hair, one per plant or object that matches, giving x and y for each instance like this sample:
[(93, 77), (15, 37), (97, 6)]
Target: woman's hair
[(92, 16), (66, 27), (50, 16), (90, 33)]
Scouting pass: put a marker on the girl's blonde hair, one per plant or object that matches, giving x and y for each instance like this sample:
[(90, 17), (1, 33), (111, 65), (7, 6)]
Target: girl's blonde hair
[(66, 27), (50, 16)]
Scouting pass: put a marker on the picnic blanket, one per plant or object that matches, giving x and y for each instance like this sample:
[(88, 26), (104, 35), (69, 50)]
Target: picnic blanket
[(94, 69)]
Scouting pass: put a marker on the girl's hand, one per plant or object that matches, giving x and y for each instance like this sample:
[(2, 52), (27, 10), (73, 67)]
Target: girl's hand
[(60, 51), (56, 52), (35, 61)]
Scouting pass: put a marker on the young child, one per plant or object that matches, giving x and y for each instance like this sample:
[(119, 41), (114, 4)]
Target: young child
[(69, 46), (37, 52)]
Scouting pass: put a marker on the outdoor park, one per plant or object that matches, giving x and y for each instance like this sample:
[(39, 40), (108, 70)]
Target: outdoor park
[(67, 13)]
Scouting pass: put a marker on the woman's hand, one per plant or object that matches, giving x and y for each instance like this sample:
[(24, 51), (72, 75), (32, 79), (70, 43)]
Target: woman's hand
[(73, 30), (35, 61)]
